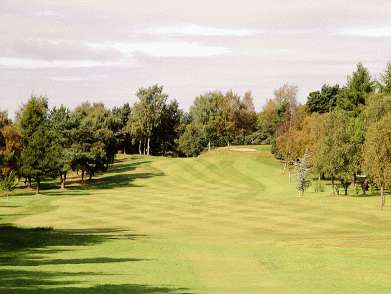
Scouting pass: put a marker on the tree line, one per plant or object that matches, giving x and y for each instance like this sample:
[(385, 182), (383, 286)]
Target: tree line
[(342, 131), (44, 143)]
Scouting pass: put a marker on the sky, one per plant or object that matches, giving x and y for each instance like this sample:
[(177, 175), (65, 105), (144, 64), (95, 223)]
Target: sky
[(103, 51)]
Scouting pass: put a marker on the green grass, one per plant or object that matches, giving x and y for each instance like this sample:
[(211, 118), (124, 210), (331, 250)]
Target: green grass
[(226, 222)]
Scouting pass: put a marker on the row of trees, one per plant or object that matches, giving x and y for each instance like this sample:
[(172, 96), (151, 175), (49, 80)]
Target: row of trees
[(48, 143), (333, 131), (344, 131)]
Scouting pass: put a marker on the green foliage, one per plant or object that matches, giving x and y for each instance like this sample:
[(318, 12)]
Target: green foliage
[(193, 141), (39, 157), (96, 145), (385, 81), (32, 116), (377, 154), (377, 106), (324, 100), (147, 114), (353, 96), (164, 138), (120, 120), (340, 150), (224, 119), (8, 182)]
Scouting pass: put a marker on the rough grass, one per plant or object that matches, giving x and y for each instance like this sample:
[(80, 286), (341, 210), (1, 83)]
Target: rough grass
[(226, 222)]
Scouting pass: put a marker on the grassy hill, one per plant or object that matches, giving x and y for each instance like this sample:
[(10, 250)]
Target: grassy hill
[(226, 222)]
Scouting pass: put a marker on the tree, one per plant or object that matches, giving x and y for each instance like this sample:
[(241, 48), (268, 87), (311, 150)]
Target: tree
[(96, 144), (39, 157), (31, 116), (286, 95), (340, 150), (377, 154), (302, 171), (120, 121), (63, 126), (324, 100), (352, 97), (228, 106), (377, 106), (193, 141), (246, 120), (8, 182), (290, 146), (166, 133), (385, 80), (10, 148), (205, 114), (135, 127), (268, 120), (148, 110)]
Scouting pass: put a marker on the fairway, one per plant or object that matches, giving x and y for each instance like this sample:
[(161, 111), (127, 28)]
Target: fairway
[(225, 222)]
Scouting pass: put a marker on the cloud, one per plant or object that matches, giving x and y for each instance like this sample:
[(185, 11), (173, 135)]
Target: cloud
[(163, 49), (78, 78), (61, 50), (198, 30), (28, 63), (374, 32)]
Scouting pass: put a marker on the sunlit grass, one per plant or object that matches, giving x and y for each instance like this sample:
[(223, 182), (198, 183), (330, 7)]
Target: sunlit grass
[(226, 222)]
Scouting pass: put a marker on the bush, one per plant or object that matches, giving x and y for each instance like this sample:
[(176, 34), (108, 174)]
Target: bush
[(8, 183)]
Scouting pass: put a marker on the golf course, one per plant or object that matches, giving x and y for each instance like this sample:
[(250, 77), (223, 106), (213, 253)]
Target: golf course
[(227, 221)]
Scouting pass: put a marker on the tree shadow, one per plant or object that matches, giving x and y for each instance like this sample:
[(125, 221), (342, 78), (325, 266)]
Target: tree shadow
[(119, 176), (32, 247), (102, 289)]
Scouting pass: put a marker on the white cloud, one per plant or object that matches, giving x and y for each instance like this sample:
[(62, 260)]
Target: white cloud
[(163, 49), (197, 30), (28, 63), (78, 78), (378, 32)]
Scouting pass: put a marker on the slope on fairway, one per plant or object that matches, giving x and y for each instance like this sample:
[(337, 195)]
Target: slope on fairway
[(226, 222)]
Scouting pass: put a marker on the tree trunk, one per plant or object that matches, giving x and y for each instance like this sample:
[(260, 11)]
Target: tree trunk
[(30, 185), (90, 176), (38, 186), (332, 185), (139, 146), (144, 147), (209, 146), (148, 146), (382, 197), (82, 176), (346, 189), (289, 174)]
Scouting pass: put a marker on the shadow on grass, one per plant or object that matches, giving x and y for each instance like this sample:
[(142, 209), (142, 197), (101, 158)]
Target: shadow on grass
[(33, 247), (119, 176), (101, 289)]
